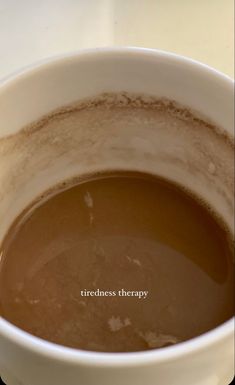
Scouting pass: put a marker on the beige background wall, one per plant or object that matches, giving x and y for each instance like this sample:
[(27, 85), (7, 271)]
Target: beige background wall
[(31, 30)]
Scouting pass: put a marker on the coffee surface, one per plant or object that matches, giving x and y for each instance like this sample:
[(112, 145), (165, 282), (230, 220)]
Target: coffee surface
[(118, 262)]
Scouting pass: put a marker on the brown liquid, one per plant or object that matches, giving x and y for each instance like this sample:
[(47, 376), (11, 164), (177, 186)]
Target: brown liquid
[(122, 231)]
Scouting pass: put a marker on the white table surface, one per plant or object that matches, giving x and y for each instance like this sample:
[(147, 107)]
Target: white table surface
[(31, 30)]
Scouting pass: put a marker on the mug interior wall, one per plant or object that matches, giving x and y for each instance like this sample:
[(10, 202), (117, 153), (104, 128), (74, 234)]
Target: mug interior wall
[(27, 171)]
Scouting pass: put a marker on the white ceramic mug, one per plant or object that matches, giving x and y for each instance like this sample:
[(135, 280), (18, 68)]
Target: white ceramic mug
[(38, 90)]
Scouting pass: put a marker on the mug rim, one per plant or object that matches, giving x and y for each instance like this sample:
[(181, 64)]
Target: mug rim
[(71, 355)]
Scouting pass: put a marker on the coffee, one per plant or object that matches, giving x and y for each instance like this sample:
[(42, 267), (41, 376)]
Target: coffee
[(117, 261)]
